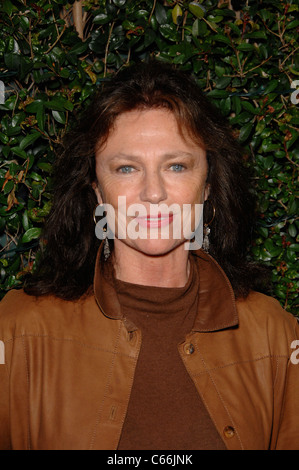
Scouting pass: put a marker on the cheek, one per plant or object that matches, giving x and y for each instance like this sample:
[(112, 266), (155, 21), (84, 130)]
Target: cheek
[(194, 193), (108, 189)]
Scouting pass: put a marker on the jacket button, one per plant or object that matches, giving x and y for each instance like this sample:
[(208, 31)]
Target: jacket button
[(189, 348), (229, 432)]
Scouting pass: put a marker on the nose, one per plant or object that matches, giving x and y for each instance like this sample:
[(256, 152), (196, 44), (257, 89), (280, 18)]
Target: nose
[(153, 188)]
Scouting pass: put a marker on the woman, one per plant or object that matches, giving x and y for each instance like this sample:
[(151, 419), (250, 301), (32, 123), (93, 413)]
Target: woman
[(137, 342)]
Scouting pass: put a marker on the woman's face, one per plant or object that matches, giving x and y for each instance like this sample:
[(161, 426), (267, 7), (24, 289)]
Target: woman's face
[(146, 162)]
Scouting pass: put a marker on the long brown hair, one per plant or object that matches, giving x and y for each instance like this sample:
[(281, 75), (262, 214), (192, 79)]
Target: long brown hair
[(67, 262)]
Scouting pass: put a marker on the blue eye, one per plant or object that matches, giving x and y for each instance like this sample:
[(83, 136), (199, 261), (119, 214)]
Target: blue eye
[(125, 169), (177, 167)]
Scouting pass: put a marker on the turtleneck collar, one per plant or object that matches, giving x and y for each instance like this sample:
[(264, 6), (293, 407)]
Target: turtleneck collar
[(158, 299), (216, 299)]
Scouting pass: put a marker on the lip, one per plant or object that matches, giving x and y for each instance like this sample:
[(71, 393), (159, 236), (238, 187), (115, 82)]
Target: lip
[(162, 220)]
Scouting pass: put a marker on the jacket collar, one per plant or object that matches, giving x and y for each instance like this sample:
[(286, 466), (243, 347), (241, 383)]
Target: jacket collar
[(216, 303)]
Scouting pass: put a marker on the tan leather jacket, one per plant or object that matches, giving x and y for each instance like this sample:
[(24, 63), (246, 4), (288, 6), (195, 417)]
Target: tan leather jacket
[(69, 367)]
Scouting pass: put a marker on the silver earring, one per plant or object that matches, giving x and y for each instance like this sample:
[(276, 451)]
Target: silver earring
[(106, 247), (206, 233), (206, 243)]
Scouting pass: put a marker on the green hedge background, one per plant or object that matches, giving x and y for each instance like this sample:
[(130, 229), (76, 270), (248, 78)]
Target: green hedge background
[(53, 55)]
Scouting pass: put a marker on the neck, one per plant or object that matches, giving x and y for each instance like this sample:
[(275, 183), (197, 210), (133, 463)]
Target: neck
[(168, 270)]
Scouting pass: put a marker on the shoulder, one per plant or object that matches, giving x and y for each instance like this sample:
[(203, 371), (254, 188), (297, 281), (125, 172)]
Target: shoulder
[(21, 313), (263, 305), (16, 303), (259, 312)]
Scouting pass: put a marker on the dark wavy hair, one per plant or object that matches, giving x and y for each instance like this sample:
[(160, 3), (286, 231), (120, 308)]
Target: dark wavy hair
[(67, 261)]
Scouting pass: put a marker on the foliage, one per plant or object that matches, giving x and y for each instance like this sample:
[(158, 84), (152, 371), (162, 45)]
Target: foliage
[(244, 60)]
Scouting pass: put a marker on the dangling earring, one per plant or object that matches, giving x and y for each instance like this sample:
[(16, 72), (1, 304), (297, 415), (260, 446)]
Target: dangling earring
[(104, 237), (206, 232)]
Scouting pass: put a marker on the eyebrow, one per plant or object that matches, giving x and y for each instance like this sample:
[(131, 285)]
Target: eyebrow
[(166, 156)]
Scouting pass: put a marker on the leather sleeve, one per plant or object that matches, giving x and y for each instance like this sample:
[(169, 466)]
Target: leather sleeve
[(7, 323), (4, 401), (288, 435)]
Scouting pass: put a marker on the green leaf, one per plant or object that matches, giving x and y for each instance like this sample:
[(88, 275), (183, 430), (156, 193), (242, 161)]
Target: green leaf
[(263, 50), (201, 28), (40, 117), (263, 231), (8, 7), (176, 13), (25, 220), (19, 152), (222, 38), (225, 106), (79, 48), (45, 167), (223, 82), (220, 71), (102, 18), (59, 116), (246, 47), (265, 161), (237, 106), (249, 107), (29, 140), (31, 234), (4, 138), (245, 132), (294, 247), (57, 104), (292, 24), (160, 14), (169, 31), (35, 176), (218, 94), (292, 206), (256, 35), (268, 145), (272, 85), (8, 187), (272, 249), (266, 15), (292, 230), (195, 28), (141, 14), (119, 3), (34, 106), (197, 10), (12, 60), (215, 19)]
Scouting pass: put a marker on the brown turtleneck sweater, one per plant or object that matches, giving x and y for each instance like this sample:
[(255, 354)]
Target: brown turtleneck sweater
[(165, 411)]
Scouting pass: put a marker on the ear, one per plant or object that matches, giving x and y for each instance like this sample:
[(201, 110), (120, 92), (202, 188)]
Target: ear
[(97, 191), (207, 191)]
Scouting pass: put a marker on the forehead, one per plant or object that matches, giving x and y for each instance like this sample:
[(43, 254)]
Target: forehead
[(146, 121), (147, 127)]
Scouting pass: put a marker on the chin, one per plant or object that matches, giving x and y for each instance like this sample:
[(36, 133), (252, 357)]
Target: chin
[(157, 247)]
